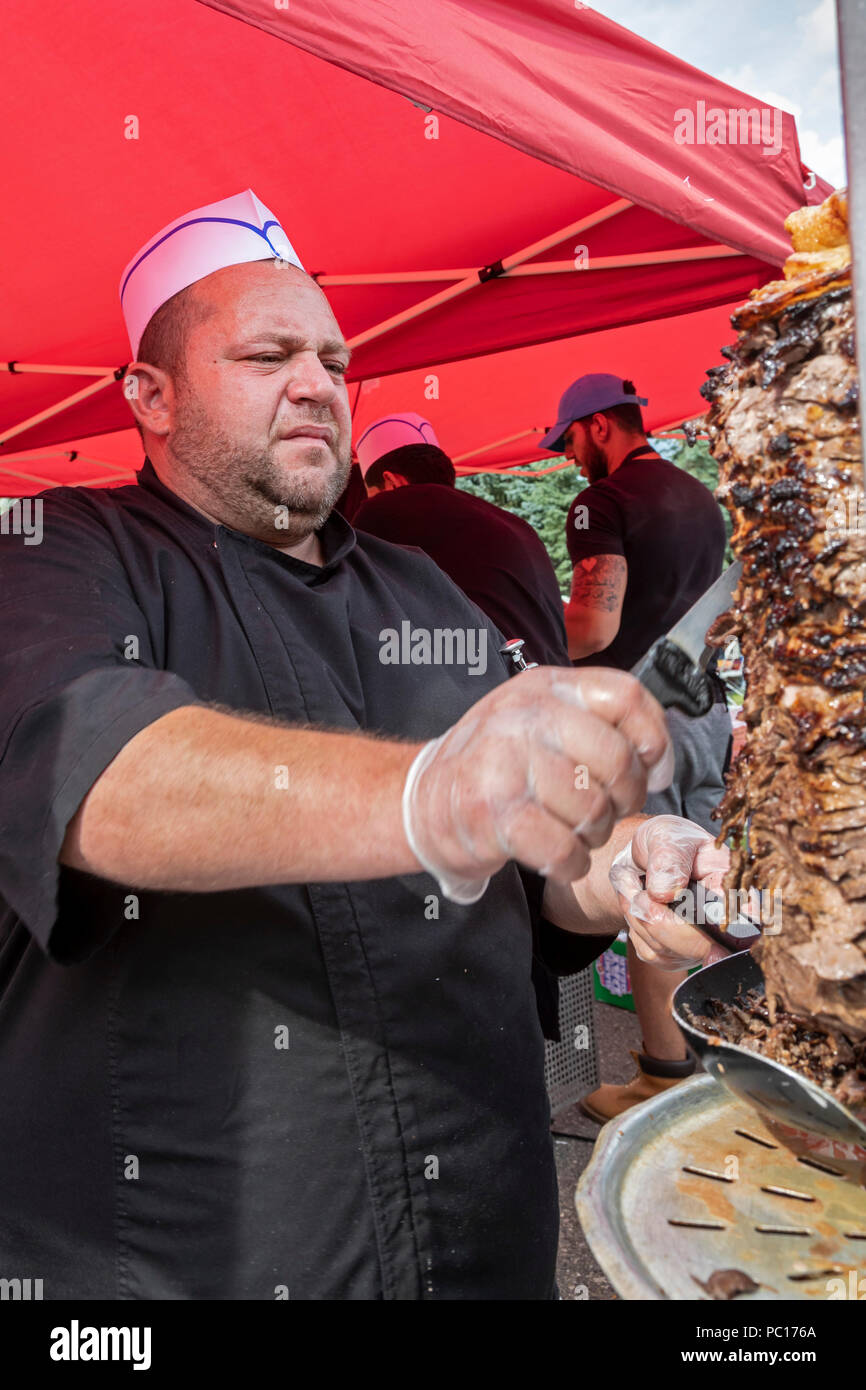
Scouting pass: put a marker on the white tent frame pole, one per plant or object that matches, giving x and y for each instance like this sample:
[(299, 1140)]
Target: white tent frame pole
[(472, 281), (538, 429), (45, 484), (94, 463), (496, 444), (675, 424), (509, 470), (411, 277), (542, 472), (115, 472), (21, 368), (688, 253), (583, 225), (126, 476), (25, 477), (70, 455), (58, 407)]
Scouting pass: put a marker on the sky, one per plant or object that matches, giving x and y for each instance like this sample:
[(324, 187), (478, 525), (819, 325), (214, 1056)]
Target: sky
[(783, 52)]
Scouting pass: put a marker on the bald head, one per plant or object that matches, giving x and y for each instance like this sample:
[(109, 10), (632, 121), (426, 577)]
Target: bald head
[(163, 342), (242, 398)]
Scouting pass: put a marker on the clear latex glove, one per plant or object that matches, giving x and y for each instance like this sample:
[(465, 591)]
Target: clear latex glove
[(670, 852), (539, 770)]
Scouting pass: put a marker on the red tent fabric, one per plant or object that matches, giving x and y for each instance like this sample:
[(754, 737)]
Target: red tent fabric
[(489, 412), (577, 183), (560, 82)]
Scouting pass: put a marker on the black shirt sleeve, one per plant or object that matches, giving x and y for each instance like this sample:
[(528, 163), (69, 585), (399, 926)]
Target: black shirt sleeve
[(595, 525), (78, 679), (555, 952)]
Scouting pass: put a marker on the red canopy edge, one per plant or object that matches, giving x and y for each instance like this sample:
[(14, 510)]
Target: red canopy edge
[(499, 293), (513, 70), (489, 412)]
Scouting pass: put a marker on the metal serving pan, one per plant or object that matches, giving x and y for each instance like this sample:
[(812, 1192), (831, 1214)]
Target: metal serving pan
[(803, 1116), (691, 1190)]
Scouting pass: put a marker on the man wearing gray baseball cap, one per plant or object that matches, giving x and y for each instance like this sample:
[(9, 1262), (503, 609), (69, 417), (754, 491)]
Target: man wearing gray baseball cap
[(646, 539)]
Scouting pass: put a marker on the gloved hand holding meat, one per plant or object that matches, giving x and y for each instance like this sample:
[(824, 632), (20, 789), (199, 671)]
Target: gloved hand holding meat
[(539, 770), (665, 854)]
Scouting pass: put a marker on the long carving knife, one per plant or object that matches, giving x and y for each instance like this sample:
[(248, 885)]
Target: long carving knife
[(675, 667)]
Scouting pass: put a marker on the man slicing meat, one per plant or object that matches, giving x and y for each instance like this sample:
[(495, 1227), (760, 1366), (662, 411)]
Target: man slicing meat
[(267, 1027)]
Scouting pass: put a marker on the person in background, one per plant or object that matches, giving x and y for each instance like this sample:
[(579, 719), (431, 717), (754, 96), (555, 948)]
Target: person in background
[(353, 494), (645, 539), (496, 558)]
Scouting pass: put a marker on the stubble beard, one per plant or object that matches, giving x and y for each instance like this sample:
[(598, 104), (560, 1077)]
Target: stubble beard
[(248, 490), (595, 462)]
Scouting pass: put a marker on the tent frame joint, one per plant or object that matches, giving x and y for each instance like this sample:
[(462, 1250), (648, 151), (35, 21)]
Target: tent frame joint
[(491, 272)]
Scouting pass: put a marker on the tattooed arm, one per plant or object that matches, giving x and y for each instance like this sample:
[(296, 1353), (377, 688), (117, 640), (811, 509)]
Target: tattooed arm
[(594, 611)]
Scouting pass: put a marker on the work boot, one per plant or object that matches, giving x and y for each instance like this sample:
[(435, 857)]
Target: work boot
[(609, 1101)]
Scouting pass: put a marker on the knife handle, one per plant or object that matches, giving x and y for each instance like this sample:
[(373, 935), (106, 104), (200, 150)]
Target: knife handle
[(715, 933), (667, 673)]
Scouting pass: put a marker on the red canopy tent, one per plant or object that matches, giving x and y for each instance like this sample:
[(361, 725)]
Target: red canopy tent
[(527, 205)]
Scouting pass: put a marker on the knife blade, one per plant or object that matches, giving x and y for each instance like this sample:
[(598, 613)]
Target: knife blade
[(674, 669), (707, 912)]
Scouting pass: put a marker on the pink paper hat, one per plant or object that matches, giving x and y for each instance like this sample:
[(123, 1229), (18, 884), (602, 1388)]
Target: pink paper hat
[(392, 432), (231, 232)]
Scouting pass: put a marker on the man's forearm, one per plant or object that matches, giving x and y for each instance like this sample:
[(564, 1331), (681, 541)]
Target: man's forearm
[(203, 800), (589, 905), (583, 634)]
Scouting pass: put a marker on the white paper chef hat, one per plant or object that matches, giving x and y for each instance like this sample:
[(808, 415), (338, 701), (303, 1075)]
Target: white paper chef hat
[(230, 232), (392, 432)]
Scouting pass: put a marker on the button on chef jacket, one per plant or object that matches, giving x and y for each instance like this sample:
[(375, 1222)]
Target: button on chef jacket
[(317, 1090)]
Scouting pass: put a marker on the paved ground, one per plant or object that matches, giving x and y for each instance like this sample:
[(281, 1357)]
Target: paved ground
[(616, 1031)]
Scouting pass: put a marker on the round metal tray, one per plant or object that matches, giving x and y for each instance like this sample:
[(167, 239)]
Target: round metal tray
[(694, 1182)]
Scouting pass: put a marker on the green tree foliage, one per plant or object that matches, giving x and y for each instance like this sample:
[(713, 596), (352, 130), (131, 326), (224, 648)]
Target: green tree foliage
[(544, 501)]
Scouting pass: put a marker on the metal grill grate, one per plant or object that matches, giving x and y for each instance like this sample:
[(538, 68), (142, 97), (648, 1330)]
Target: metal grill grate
[(571, 1066)]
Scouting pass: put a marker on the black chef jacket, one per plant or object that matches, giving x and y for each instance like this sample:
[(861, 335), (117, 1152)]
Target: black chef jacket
[(496, 558), (668, 526), (312, 1091)]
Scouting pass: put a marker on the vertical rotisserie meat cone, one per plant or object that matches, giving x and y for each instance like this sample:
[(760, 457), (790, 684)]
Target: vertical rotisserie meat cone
[(784, 428)]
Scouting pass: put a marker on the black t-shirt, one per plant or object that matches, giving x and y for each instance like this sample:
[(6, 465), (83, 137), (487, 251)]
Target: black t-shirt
[(496, 558), (669, 528), (218, 1094)]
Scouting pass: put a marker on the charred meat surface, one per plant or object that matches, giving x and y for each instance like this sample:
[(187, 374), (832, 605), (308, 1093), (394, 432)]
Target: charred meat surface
[(784, 428)]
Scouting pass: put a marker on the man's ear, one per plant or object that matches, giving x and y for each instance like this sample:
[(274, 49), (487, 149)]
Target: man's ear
[(390, 481), (151, 395), (601, 428)]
